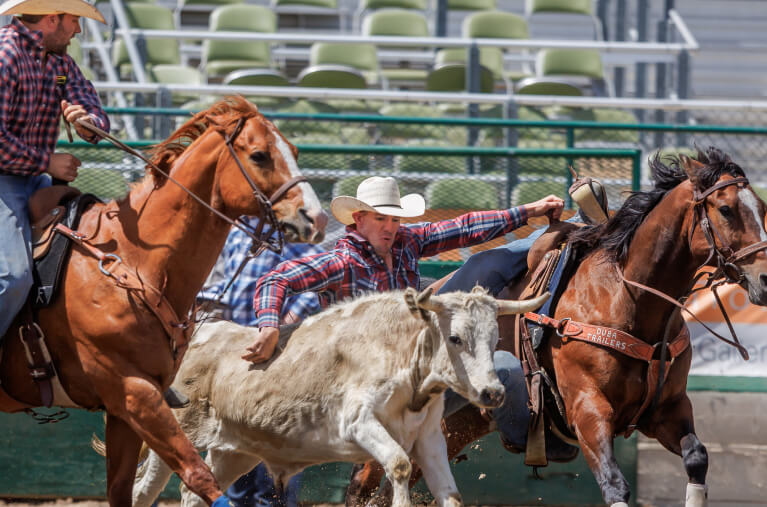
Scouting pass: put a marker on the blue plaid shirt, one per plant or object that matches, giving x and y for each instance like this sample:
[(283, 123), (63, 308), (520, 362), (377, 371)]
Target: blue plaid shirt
[(31, 92), (239, 297), (353, 267)]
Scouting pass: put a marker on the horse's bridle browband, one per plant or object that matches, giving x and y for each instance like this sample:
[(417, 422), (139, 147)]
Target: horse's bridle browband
[(260, 239)]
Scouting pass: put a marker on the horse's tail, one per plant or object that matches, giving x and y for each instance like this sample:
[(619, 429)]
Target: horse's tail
[(100, 447)]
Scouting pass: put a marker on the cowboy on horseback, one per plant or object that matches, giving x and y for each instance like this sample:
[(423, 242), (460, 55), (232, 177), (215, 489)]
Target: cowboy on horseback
[(39, 82)]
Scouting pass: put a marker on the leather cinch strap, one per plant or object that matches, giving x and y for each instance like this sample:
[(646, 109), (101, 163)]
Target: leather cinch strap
[(619, 341)]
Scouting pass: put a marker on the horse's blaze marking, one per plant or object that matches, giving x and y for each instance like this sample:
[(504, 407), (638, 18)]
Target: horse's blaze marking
[(311, 201), (607, 337), (747, 197)]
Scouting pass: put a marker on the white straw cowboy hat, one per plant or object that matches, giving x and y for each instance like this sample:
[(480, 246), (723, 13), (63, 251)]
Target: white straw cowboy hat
[(380, 195), (44, 7)]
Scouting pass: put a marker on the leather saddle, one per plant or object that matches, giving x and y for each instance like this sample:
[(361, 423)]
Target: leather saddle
[(48, 207)]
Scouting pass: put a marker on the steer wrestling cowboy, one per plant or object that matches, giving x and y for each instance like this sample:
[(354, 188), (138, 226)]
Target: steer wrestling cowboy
[(378, 253)]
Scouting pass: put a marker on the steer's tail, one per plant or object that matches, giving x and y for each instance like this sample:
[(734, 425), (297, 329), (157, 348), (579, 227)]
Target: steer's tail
[(151, 477)]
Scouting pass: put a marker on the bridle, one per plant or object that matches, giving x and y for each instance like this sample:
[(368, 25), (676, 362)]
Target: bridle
[(261, 239), (726, 269)]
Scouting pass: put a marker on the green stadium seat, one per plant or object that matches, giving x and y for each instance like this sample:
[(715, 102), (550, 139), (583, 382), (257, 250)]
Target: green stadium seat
[(546, 86), (577, 8), (158, 51), (451, 77), (500, 25), (177, 74), (579, 67), (260, 77), (470, 5), (359, 56), (221, 57), (489, 58), (461, 193), (364, 5), (399, 23)]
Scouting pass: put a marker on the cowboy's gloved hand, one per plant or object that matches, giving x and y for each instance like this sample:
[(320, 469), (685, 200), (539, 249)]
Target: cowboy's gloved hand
[(63, 166), (264, 346), (73, 112), (542, 206)]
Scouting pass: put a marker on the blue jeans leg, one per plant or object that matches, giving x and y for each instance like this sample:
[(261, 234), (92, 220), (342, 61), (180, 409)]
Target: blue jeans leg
[(493, 269), (15, 243), (511, 417), (256, 488)]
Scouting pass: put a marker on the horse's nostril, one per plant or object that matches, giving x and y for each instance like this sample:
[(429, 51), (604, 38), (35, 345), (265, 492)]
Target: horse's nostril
[(763, 280)]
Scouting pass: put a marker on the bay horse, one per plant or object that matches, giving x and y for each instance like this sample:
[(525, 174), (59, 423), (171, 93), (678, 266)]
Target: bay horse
[(106, 335), (701, 212)]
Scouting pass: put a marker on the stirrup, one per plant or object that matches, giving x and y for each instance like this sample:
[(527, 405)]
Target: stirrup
[(591, 198)]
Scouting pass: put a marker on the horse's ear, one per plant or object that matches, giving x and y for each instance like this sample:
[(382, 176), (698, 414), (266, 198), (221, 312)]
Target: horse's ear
[(692, 167)]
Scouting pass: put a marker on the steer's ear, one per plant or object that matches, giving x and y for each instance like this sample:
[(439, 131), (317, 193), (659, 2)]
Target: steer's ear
[(506, 307), (414, 301)]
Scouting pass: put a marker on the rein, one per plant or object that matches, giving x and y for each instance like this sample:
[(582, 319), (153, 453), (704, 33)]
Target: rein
[(259, 238)]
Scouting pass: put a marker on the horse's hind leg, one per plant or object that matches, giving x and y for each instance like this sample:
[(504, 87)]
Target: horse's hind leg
[(595, 432), (673, 426), (137, 402)]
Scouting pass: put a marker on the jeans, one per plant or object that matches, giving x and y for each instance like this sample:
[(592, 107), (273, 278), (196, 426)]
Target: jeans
[(256, 488), (15, 243), (493, 269)]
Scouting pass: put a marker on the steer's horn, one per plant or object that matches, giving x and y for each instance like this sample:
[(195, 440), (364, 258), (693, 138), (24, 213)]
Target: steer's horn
[(526, 305)]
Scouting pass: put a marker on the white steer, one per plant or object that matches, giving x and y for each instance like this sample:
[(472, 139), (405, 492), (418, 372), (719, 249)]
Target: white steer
[(363, 379)]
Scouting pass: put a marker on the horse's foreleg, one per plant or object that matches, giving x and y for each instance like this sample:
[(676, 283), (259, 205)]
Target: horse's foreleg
[(595, 430), (674, 428), (122, 457), (140, 404)]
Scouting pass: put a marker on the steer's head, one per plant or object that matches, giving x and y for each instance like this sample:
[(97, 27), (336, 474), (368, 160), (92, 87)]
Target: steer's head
[(464, 335)]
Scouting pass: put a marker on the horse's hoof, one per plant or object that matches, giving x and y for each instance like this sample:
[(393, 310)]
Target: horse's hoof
[(175, 399)]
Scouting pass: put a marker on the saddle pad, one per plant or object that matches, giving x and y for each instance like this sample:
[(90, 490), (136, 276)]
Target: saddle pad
[(47, 269), (557, 284)]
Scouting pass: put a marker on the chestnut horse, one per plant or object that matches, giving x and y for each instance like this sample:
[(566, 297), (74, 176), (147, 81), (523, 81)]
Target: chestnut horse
[(111, 352), (655, 239)]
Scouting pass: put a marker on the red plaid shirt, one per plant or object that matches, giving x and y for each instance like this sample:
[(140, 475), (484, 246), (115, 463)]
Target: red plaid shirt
[(354, 268), (30, 99)]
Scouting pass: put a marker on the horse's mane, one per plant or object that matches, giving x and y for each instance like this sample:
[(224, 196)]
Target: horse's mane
[(220, 115), (614, 237)]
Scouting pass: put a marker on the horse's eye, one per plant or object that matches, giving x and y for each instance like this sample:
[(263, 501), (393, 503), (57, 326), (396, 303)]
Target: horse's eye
[(455, 340), (259, 157), (726, 211)]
